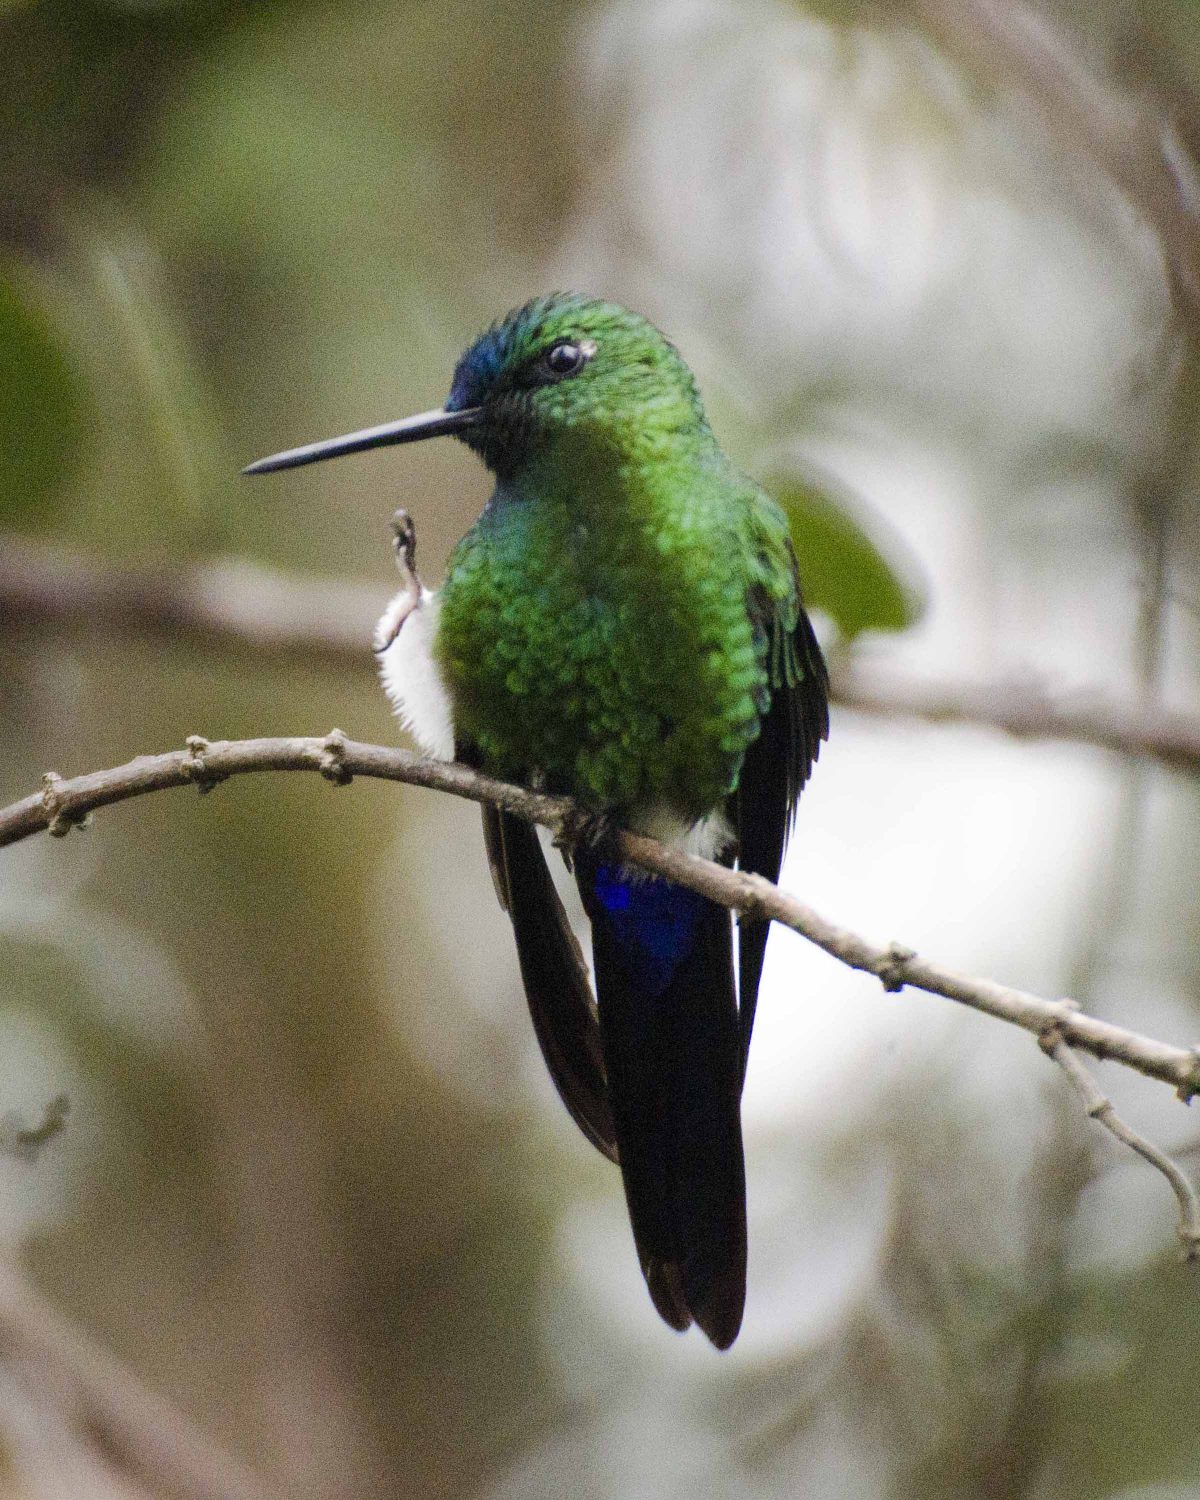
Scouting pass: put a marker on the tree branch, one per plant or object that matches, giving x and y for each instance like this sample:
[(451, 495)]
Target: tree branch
[(64, 804), (231, 602), (1097, 1106)]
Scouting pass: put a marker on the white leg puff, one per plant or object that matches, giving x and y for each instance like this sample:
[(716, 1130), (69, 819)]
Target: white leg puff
[(404, 641)]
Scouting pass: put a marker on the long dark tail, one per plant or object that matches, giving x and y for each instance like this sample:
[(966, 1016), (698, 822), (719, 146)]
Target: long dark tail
[(663, 959), (554, 973)]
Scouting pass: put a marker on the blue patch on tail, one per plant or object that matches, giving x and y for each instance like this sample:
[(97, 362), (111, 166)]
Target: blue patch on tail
[(653, 922)]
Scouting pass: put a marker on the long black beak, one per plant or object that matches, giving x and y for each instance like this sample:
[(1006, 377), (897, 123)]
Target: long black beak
[(407, 430)]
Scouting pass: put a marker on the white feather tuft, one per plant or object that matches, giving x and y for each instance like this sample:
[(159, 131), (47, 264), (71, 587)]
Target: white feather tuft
[(705, 838), (410, 673)]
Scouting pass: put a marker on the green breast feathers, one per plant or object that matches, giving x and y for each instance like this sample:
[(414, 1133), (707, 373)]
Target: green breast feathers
[(613, 656)]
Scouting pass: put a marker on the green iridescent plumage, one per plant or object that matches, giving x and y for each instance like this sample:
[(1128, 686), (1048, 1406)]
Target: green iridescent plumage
[(623, 623), (594, 627)]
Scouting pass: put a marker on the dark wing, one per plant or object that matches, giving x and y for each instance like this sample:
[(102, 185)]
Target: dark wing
[(774, 772), (554, 974)]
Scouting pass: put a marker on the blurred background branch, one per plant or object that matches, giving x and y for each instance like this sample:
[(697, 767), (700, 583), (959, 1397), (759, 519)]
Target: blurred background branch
[(234, 602), (1135, 133), (78, 1419), (26, 1142)]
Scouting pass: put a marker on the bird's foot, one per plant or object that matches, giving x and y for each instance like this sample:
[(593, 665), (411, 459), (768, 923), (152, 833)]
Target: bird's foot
[(404, 541), (587, 828)]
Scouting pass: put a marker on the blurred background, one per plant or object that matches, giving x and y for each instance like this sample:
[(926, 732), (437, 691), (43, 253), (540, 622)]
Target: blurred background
[(937, 267)]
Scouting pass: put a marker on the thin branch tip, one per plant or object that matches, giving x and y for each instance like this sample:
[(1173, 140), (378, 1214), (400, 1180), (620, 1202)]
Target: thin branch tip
[(1097, 1106)]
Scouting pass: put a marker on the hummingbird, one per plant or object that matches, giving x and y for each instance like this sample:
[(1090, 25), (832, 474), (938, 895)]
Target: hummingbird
[(623, 625)]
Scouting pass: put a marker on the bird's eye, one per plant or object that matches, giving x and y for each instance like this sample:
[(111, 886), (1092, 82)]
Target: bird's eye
[(565, 359)]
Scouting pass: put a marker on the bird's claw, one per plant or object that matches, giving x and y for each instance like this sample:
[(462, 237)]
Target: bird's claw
[(586, 828), (404, 541)]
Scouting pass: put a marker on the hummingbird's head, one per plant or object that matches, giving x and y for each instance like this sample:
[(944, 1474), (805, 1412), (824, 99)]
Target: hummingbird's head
[(567, 364), (563, 367)]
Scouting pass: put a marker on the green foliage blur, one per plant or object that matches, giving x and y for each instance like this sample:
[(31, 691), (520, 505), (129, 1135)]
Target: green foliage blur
[(42, 423)]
